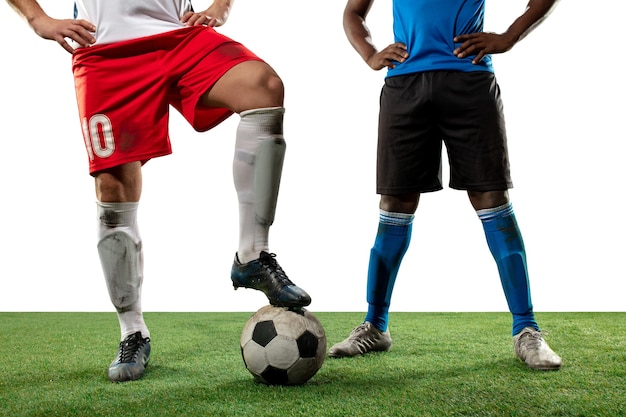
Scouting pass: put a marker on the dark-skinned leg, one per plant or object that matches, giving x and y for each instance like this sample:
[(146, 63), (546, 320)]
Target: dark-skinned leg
[(392, 241), (507, 247), (119, 245), (406, 203), (488, 199)]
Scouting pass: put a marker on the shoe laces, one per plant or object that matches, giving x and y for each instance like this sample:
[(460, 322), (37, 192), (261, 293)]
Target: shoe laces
[(363, 327), (532, 340), (268, 260), (364, 334), (363, 338), (130, 346)]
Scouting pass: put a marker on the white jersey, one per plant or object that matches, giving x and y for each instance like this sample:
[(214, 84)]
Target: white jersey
[(120, 20)]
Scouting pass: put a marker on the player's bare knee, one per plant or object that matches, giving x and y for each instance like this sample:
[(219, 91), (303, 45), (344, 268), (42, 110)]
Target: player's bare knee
[(406, 203), (107, 189), (482, 200), (275, 89), (266, 89), (119, 183)]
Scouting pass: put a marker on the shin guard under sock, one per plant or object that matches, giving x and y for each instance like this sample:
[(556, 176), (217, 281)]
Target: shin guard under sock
[(392, 242), (121, 256), (257, 167), (507, 247)]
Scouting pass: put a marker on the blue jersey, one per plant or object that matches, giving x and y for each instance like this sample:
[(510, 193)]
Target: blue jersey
[(428, 27)]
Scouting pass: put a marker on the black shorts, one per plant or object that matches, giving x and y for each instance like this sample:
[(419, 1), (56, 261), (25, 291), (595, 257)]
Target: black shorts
[(419, 112)]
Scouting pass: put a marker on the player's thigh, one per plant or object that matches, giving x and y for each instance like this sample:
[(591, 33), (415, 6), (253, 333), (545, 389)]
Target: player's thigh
[(472, 123), (248, 85), (122, 104), (409, 145)]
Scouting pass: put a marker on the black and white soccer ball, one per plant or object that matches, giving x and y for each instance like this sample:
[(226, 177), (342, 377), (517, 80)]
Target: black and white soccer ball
[(281, 346)]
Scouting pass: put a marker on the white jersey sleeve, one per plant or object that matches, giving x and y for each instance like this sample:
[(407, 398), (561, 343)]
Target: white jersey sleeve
[(120, 20)]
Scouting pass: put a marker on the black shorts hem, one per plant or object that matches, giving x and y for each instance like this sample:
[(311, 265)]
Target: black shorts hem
[(404, 191), (500, 186)]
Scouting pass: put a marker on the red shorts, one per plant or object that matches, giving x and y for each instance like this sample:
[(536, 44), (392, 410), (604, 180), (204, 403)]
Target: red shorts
[(124, 91)]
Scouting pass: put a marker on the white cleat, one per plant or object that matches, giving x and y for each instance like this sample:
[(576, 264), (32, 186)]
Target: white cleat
[(363, 339), (534, 351)]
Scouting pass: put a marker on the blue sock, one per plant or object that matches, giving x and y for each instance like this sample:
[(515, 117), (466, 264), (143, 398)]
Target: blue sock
[(507, 247), (392, 241)]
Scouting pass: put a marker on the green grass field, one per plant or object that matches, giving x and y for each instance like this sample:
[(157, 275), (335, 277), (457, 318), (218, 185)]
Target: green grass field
[(441, 364)]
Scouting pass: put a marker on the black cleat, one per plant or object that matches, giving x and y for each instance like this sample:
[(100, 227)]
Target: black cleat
[(132, 358), (264, 274)]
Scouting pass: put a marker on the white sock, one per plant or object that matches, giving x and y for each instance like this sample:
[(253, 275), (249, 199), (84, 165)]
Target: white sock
[(257, 166), (122, 217)]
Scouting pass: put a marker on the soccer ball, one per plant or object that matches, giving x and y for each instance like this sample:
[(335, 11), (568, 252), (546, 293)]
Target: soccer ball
[(282, 346)]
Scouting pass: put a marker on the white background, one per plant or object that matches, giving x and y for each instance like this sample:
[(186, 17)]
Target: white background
[(563, 93)]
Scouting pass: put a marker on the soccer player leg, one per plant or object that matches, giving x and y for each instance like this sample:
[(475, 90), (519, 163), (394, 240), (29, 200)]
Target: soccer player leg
[(507, 247), (121, 257), (257, 169), (392, 241)]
